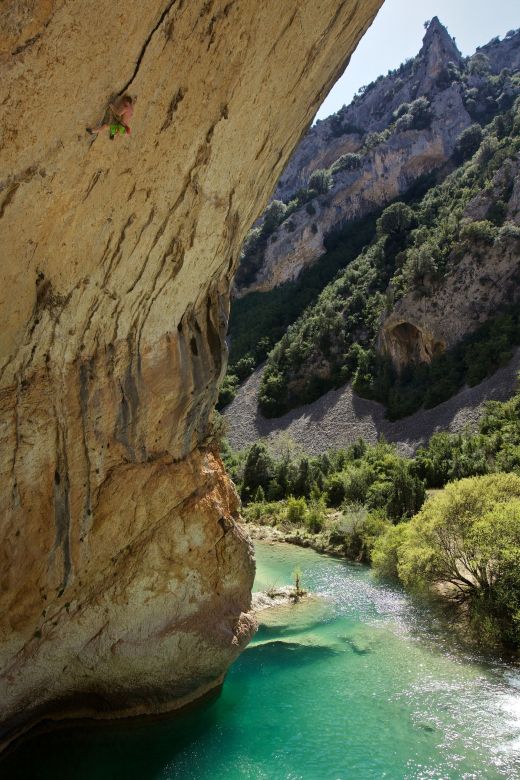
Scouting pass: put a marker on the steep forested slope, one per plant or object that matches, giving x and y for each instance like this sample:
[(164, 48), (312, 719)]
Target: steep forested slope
[(451, 261), (432, 193)]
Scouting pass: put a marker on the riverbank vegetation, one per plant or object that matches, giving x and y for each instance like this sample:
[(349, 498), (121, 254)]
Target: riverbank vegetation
[(446, 521), (465, 542)]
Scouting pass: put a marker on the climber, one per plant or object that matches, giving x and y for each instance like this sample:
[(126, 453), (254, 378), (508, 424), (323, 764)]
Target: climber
[(121, 111)]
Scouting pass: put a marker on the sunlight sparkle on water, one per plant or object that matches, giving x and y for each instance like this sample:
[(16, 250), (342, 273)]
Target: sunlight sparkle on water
[(363, 685)]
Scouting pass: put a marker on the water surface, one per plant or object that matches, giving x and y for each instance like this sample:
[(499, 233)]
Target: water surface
[(362, 684)]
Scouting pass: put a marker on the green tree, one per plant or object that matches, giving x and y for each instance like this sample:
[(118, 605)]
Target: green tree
[(335, 489), (497, 535), (303, 484), (259, 495), (359, 479), (321, 181), (395, 219), (443, 542), (468, 143), (435, 462), (274, 491), (406, 495), (258, 471)]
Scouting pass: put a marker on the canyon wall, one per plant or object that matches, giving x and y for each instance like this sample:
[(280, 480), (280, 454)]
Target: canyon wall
[(125, 585), (384, 174), (389, 155), (371, 110), (481, 279)]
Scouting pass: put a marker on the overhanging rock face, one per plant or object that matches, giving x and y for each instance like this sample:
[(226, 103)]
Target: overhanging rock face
[(125, 580)]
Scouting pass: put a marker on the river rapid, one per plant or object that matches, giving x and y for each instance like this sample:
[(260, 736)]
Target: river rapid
[(363, 683)]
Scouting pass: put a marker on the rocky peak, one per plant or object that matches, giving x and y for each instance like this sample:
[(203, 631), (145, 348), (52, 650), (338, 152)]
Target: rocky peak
[(438, 49), (437, 36), (372, 109)]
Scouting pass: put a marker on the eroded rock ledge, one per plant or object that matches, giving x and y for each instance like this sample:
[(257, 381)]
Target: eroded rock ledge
[(125, 578)]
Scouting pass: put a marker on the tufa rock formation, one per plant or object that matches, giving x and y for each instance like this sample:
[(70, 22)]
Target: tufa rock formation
[(125, 578)]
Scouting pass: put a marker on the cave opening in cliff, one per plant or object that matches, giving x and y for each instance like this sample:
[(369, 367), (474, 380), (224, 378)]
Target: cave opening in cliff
[(409, 345)]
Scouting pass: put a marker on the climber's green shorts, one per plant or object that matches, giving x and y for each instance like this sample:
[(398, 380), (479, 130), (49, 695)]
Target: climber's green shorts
[(117, 128)]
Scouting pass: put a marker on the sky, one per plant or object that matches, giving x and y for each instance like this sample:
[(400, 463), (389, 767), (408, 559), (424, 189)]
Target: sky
[(397, 33)]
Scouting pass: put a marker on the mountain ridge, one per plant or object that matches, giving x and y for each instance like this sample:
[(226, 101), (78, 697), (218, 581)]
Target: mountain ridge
[(394, 149)]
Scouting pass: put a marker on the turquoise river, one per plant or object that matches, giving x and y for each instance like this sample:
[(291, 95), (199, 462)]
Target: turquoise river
[(360, 684)]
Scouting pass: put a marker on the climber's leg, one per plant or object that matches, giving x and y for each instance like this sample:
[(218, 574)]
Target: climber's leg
[(95, 130)]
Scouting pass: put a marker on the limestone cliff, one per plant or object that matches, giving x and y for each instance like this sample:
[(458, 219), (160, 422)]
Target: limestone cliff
[(476, 286), (386, 172), (370, 111), (393, 153), (125, 578), (431, 273)]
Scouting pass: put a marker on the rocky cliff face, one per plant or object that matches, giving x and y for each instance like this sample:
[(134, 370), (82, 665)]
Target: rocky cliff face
[(370, 111), (390, 161), (476, 286), (386, 172), (125, 577), (503, 53)]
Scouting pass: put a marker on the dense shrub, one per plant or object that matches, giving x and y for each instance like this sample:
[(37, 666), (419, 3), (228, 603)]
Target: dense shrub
[(509, 232), (395, 219), (413, 116), (385, 552), (466, 539), (347, 162), (335, 488), (315, 519), (356, 530), (468, 143), (479, 232), (228, 390), (321, 181), (244, 367), (296, 510), (479, 64), (274, 215), (358, 481), (403, 109)]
